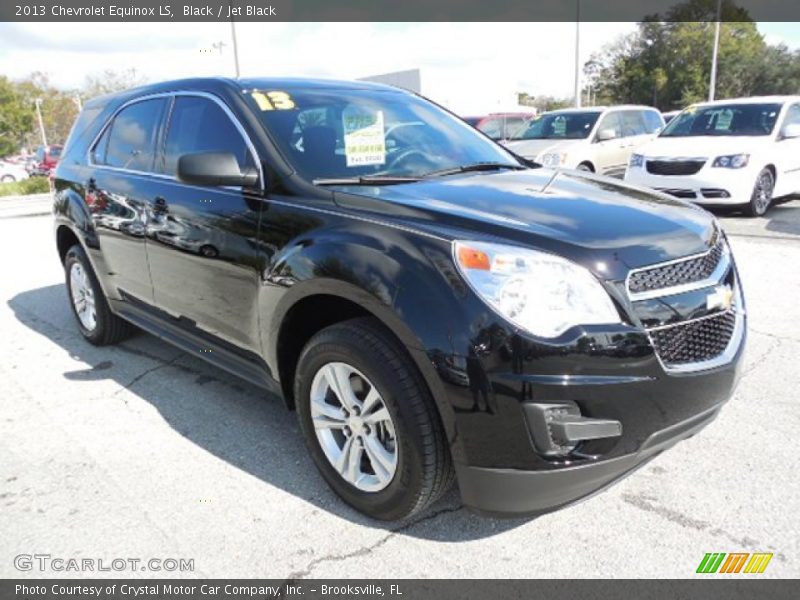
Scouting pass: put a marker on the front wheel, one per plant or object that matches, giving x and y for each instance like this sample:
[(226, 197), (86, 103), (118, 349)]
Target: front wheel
[(369, 421), (586, 167), (761, 197)]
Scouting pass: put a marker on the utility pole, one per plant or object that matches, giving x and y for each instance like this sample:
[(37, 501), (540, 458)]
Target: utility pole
[(578, 54), (38, 103), (712, 86), (235, 48), (78, 101)]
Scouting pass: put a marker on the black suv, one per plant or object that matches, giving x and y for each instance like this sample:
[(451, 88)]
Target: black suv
[(432, 305)]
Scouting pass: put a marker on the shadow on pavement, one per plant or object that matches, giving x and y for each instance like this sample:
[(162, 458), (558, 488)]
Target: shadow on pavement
[(235, 422), (784, 218)]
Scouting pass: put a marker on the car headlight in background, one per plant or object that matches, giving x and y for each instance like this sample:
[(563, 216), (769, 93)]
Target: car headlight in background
[(541, 293), (731, 161), (553, 159), (637, 160)]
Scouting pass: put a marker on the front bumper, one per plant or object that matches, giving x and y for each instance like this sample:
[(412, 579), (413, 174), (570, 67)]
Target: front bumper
[(703, 187), (516, 493)]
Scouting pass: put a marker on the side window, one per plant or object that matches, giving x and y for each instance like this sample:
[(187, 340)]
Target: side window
[(792, 115), (632, 123), (492, 127), (611, 121), (652, 121), (200, 125), (130, 141)]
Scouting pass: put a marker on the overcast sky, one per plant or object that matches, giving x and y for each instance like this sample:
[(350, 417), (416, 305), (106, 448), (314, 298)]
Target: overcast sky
[(469, 67)]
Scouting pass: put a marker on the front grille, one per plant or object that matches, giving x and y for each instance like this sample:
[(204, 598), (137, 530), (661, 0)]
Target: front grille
[(675, 167), (694, 341), (676, 273)]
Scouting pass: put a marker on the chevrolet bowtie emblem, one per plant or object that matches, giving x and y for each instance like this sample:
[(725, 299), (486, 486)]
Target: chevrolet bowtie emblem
[(721, 298)]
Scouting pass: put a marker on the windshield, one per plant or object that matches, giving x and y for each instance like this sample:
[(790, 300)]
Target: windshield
[(328, 133), (725, 119), (559, 126)]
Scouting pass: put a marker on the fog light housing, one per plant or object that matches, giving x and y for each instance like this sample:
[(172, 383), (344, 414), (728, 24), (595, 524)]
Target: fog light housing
[(558, 427)]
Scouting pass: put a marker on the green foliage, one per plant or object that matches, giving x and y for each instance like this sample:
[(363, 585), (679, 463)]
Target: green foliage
[(16, 118), (667, 64), (33, 185), (543, 103)]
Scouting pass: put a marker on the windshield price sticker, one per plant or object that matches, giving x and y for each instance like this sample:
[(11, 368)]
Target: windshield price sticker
[(364, 139)]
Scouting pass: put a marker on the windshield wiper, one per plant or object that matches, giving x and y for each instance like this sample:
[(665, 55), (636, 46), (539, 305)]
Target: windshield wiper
[(366, 180), (484, 166)]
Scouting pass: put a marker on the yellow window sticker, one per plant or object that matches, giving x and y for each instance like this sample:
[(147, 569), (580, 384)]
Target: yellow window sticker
[(364, 139), (273, 100)]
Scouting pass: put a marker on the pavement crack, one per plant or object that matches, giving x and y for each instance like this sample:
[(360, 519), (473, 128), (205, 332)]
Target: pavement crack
[(145, 373), (364, 550)]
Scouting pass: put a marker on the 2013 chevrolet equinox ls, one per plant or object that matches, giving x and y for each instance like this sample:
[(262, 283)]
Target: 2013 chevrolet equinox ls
[(432, 305)]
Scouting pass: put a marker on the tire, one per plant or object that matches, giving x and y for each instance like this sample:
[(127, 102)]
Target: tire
[(423, 468), (585, 166), (761, 198), (8, 179), (84, 291)]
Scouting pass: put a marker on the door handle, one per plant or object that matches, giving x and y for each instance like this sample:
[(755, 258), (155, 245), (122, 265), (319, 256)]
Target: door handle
[(160, 206)]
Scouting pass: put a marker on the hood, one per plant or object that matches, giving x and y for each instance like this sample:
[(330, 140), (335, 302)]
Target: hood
[(605, 225), (534, 148), (706, 146)]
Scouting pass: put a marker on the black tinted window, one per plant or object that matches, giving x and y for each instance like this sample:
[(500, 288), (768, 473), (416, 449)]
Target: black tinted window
[(201, 125), (131, 140)]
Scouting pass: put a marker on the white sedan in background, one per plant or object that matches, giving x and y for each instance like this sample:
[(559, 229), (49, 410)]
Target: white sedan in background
[(10, 172), (742, 152)]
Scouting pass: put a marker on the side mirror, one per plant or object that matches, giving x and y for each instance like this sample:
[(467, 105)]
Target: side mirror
[(214, 168), (791, 131), (606, 134)]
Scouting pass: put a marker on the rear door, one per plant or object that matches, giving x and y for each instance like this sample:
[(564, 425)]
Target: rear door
[(201, 240), (122, 182), (610, 154)]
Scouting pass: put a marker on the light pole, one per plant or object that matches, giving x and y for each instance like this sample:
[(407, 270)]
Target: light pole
[(235, 48), (578, 54), (78, 101), (712, 86), (38, 103)]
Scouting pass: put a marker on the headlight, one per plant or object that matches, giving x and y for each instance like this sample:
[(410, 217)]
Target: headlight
[(541, 293), (553, 159), (731, 161), (637, 160)]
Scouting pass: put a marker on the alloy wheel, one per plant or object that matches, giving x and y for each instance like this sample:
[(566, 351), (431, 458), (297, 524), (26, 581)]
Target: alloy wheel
[(353, 427), (82, 296)]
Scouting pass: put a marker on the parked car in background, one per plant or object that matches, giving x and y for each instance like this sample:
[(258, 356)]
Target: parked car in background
[(45, 160), (598, 139), (10, 172), (501, 126), (742, 152)]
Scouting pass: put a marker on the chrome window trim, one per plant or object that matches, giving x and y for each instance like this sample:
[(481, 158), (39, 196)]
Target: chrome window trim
[(171, 95)]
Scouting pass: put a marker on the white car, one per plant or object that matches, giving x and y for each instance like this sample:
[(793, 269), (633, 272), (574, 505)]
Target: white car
[(598, 139), (10, 172), (742, 152)]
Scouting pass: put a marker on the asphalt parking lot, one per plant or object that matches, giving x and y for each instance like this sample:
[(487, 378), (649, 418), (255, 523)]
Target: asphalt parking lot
[(144, 451)]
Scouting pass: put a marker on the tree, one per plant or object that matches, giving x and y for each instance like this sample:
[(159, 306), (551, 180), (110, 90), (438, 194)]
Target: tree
[(667, 63), (16, 119), (110, 81), (59, 109), (543, 103)]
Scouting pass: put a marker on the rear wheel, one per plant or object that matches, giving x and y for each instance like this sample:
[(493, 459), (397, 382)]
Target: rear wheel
[(369, 421), (89, 305), (761, 197)]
